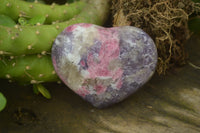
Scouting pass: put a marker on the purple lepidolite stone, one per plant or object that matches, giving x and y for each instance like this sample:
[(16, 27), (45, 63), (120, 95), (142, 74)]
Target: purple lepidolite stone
[(104, 65)]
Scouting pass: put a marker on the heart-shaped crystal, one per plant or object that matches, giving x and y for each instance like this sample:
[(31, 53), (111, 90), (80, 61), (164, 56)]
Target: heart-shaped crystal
[(104, 65)]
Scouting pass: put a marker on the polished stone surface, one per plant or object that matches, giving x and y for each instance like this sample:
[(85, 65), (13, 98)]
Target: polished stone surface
[(104, 65)]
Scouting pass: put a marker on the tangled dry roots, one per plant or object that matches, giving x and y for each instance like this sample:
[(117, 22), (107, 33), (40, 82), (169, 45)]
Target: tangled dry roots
[(164, 20)]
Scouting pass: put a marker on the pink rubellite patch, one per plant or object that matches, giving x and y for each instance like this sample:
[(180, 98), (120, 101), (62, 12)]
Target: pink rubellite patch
[(104, 65)]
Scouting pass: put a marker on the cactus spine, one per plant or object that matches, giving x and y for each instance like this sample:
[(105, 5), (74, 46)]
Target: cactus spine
[(25, 49), (19, 8), (33, 68)]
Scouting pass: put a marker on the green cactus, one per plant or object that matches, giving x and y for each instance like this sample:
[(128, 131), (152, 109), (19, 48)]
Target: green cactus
[(18, 8), (32, 69), (30, 39), (25, 50), (20, 40)]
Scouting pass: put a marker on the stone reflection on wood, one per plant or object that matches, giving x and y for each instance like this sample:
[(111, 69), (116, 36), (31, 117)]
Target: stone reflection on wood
[(104, 65)]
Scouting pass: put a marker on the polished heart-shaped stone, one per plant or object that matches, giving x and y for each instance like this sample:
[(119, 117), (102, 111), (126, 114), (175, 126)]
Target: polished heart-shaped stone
[(104, 65)]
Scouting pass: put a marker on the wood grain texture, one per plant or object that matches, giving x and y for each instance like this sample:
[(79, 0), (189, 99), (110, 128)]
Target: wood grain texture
[(167, 104)]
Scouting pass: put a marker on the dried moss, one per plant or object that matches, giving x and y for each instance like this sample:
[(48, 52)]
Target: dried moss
[(164, 20)]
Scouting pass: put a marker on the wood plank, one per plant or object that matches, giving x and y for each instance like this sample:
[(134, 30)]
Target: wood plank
[(167, 104)]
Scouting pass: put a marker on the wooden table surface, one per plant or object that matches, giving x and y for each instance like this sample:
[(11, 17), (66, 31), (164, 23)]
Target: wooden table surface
[(166, 104)]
